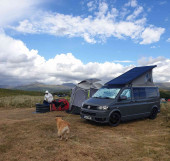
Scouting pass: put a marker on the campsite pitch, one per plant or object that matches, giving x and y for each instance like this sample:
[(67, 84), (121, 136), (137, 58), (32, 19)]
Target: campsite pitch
[(27, 136)]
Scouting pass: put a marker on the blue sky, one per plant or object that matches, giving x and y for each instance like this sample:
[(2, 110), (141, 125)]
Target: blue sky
[(69, 40)]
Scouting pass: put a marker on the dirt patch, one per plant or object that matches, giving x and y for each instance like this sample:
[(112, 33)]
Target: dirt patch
[(28, 136)]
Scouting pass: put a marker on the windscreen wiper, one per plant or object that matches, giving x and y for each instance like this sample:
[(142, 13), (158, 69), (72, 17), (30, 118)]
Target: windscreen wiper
[(106, 97), (97, 97), (103, 97)]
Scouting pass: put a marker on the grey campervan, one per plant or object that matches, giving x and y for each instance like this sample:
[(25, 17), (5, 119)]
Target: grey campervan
[(130, 96)]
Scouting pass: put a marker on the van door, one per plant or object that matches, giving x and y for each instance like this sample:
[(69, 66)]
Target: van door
[(153, 98), (135, 105), (125, 105), (140, 101)]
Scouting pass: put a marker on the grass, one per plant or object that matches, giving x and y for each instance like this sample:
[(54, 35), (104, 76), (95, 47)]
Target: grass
[(9, 92), (165, 110), (21, 99), (27, 136)]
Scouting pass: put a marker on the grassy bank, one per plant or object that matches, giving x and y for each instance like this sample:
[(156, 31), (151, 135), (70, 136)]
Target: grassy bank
[(19, 99), (22, 99), (9, 92)]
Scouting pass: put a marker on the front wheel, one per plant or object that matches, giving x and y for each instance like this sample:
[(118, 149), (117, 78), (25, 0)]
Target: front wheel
[(154, 113), (114, 119)]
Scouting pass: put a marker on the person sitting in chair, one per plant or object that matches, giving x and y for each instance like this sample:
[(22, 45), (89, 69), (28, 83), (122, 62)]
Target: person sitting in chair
[(48, 98)]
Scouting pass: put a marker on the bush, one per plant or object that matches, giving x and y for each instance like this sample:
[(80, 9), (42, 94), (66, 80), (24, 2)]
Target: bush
[(165, 94)]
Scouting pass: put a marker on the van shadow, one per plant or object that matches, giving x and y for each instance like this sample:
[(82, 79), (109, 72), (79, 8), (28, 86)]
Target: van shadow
[(107, 124)]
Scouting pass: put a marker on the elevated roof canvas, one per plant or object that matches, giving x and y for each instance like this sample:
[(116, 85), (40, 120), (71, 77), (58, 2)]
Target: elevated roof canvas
[(130, 75), (89, 83)]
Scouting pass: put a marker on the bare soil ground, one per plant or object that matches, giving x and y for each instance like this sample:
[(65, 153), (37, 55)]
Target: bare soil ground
[(27, 136)]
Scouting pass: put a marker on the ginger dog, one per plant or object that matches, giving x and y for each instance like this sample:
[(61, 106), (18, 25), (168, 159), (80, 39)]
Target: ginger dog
[(63, 128)]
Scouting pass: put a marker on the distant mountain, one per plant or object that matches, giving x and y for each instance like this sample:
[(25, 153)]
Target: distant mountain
[(42, 87), (64, 87), (71, 85), (165, 85), (6, 86)]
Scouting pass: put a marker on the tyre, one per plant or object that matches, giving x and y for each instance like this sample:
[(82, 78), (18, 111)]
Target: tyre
[(115, 119), (154, 113), (41, 108)]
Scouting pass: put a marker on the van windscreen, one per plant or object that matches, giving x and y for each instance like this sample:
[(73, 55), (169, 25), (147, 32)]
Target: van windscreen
[(108, 93)]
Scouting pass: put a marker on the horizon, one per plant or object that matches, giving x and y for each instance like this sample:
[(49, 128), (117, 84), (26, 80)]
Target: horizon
[(63, 84), (66, 41)]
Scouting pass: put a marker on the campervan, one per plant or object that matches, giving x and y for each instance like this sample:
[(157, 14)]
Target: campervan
[(132, 95)]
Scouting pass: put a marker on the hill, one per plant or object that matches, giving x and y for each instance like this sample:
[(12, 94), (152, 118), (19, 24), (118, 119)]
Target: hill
[(71, 85), (12, 92), (64, 87), (165, 85), (43, 87)]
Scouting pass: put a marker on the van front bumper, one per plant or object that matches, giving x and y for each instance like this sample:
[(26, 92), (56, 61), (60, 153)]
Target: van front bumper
[(95, 115)]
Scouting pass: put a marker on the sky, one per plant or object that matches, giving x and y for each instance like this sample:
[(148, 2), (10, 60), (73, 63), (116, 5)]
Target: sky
[(62, 41)]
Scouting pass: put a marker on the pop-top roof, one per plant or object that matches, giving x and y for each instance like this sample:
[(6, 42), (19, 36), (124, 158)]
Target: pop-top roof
[(130, 75), (90, 83)]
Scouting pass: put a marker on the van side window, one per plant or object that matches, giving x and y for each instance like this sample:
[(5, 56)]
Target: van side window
[(127, 93), (139, 93), (151, 92)]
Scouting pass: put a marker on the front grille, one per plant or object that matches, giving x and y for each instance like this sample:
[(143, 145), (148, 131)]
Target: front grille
[(100, 119), (88, 113), (90, 107)]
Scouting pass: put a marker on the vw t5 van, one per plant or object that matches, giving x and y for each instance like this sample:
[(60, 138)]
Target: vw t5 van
[(132, 95)]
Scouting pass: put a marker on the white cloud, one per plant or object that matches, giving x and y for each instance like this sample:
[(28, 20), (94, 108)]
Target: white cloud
[(96, 28), (88, 39), (91, 5), (162, 2), (154, 47), (149, 9), (122, 61), (11, 11), (17, 61), (151, 34), (18, 64), (135, 13), (168, 40), (166, 19), (131, 3), (103, 8), (160, 72)]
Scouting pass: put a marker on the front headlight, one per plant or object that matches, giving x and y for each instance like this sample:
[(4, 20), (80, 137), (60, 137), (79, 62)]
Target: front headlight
[(100, 108), (103, 108), (82, 104)]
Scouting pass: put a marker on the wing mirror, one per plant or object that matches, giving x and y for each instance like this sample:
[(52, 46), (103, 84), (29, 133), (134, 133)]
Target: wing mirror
[(121, 98)]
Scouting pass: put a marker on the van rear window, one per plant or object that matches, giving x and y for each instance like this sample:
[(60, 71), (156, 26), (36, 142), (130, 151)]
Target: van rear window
[(139, 93), (151, 92)]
